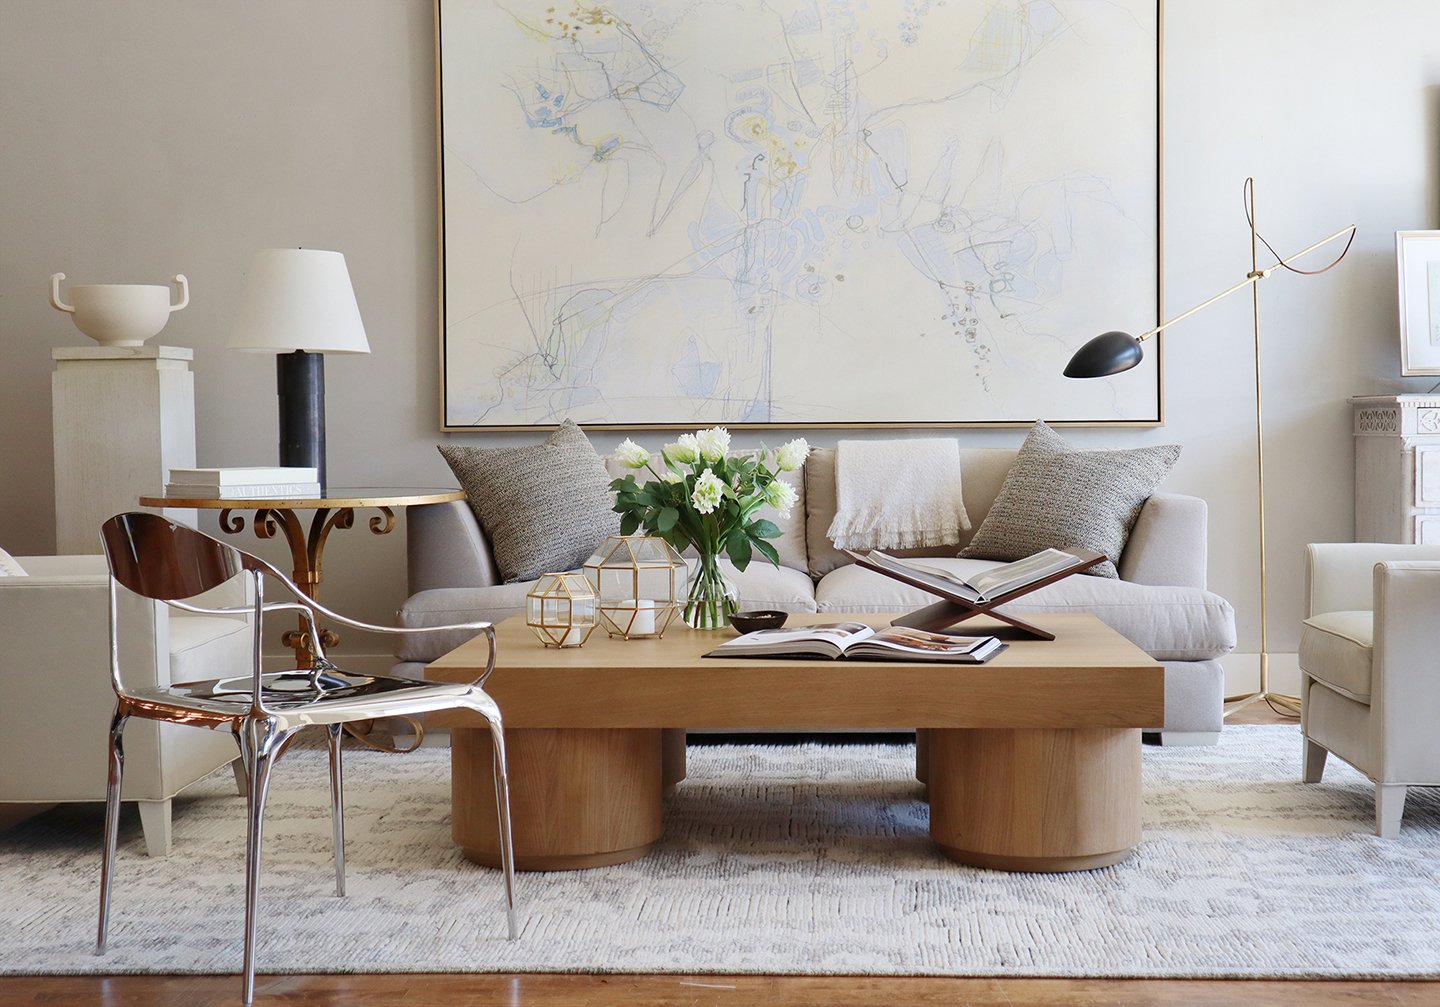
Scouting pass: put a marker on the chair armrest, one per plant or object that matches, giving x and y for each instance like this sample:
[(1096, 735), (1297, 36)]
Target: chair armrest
[(1339, 576), (1167, 546), (445, 547), (1405, 685)]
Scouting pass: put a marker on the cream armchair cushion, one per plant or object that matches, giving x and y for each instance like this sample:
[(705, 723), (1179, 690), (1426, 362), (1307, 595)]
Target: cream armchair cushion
[(56, 699), (1370, 685)]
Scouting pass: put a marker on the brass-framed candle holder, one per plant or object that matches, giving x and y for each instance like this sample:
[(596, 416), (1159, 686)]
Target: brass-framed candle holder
[(562, 609), (639, 583)]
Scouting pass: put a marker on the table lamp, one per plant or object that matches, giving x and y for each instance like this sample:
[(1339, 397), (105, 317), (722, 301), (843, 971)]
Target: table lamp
[(298, 303), (1113, 352)]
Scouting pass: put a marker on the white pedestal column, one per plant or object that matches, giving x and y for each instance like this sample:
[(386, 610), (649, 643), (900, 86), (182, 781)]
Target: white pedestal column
[(123, 416)]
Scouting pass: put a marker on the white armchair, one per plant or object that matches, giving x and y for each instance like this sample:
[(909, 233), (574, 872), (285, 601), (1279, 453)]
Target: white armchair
[(1370, 667), (56, 699)]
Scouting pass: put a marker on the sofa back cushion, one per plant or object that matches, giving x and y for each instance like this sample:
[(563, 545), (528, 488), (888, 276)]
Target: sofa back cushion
[(982, 473), (791, 543)]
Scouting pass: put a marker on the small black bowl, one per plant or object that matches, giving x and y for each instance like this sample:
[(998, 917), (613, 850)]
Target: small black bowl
[(749, 622)]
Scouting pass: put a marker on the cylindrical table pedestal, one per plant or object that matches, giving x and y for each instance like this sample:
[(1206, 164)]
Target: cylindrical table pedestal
[(578, 797), (1035, 799)]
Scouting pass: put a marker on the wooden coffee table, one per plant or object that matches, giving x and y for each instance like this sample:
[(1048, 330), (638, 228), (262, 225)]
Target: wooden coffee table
[(1032, 760)]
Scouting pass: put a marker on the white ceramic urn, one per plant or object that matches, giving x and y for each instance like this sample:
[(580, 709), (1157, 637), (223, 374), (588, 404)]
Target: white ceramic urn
[(119, 314)]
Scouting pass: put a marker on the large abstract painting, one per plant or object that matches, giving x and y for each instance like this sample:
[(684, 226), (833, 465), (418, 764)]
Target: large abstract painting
[(795, 212)]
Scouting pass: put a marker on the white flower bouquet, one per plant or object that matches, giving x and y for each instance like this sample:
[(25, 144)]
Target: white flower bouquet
[(702, 496)]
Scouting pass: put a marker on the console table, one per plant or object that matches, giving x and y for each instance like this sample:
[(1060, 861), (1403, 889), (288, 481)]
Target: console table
[(1397, 468), (307, 548)]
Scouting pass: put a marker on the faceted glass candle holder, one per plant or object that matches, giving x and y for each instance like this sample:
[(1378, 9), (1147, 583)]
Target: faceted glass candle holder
[(561, 610), (640, 583)]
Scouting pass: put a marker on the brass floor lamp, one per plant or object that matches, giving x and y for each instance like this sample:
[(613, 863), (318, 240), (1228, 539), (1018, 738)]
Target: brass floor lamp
[(1113, 352)]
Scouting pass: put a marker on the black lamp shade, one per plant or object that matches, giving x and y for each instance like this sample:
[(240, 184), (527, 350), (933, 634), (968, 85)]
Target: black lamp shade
[(1106, 354)]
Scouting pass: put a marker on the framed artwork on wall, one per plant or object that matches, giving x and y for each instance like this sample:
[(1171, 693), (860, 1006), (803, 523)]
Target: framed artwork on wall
[(670, 213), (1417, 262)]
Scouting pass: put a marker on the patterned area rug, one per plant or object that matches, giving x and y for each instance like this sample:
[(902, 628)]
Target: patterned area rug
[(776, 859)]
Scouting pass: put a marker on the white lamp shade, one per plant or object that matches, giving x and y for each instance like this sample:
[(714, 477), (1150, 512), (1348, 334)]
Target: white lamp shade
[(298, 299)]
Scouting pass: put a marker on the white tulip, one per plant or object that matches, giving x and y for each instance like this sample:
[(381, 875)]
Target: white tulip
[(708, 492), (781, 496), (671, 476), (713, 443), (685, 451), (792, 455), (632, 455)]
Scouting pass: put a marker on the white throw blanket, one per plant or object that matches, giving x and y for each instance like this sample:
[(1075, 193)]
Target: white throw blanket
[(897, 494)]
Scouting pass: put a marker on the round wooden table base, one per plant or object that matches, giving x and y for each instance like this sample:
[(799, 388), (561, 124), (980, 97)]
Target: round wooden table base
[(1034, 799), (578, 797)]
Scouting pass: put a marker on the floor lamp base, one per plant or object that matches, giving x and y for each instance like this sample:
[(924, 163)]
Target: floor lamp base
[(1286, 706)]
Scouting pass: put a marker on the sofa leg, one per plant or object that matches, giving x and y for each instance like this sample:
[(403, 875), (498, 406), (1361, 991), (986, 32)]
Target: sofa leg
[(242, 779), (1314, 761), (1389, 808), (155, 823)]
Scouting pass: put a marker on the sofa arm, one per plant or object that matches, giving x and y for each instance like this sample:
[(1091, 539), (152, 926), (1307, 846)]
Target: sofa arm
[(1404, 686), (446, 548), (1339, 576), (1167, 546)]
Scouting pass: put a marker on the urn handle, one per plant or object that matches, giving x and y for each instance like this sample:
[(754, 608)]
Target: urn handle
[(55, 301), (184, 290)]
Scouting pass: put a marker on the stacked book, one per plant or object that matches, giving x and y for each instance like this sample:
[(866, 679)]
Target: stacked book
[(244, 483)]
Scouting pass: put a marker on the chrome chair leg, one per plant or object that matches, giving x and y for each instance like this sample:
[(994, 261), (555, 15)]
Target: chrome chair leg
[(337, 805), (261, 745), (502, 812), (115, 773)]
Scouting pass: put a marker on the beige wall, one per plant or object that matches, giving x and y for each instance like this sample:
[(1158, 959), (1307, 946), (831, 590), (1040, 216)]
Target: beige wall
[(142, 138)]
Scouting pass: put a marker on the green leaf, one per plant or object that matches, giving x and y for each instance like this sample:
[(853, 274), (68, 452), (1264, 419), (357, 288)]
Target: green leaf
[(762, 528), (629, 523), (667, 519), (737, 547), (767, 550)]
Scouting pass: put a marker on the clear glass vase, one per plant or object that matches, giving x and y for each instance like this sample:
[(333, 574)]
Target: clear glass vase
[(712, 599)]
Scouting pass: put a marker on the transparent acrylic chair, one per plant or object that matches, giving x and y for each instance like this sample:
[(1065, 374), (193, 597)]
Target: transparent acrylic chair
[(167, 562)]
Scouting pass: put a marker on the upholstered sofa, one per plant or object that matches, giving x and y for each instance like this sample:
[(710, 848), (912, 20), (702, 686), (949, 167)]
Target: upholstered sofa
[(1160, 600)]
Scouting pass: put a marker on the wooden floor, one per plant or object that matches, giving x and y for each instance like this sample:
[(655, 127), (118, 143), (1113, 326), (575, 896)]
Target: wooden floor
[(705, 990)]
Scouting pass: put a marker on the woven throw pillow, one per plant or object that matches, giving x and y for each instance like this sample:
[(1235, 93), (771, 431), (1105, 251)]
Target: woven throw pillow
[(544, 507), (1055, 497)]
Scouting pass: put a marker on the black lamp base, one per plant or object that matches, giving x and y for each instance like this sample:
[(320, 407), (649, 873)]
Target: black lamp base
[(300, 383)]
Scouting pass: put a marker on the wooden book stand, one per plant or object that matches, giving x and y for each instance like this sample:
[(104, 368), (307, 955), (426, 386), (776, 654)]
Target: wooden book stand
[(954, 608)]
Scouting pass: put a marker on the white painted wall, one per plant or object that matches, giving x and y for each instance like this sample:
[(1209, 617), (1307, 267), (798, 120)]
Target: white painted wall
[(143, 138)]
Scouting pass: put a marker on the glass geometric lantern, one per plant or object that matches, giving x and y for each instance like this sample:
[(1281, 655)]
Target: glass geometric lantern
[(640, 582), (561, 609)]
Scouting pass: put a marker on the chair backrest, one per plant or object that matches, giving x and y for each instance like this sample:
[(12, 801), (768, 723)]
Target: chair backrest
[(158, 559)]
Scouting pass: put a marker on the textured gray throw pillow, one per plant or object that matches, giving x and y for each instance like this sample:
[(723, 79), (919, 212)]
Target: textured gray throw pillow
[(544, 507), (1056, 496)]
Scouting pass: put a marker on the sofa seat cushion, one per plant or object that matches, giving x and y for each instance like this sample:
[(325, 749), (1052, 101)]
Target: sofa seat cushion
[(765, 586), (1168, 623), (760, 586), (1337, 648), (447, 605), (201, 643)]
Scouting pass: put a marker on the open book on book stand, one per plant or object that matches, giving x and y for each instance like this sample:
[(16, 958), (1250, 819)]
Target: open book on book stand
[(982, 593)]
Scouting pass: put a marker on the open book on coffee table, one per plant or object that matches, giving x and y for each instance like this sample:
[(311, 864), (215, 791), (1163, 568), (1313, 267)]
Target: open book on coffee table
[(964, 596), (855, 641)]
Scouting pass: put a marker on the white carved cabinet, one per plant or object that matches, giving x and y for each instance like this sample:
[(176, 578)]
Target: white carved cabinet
[(1397, 468), (123, 416)]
